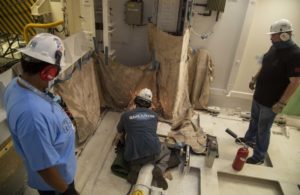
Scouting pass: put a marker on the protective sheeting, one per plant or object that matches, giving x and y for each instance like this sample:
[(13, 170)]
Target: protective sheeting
[(176, 79), (168, 82), (201, 74), (188, 131), (81, 94), (120, 83)]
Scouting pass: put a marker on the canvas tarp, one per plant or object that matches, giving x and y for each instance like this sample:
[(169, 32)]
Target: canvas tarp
[(81, 95), (168, 82), (115, 85), (201, 72), (178, 77)]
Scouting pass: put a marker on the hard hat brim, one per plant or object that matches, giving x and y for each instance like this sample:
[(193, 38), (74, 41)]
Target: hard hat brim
[(36, 55), (271, 33)]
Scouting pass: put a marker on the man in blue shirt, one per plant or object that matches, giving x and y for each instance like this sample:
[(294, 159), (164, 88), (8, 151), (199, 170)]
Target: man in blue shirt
[(42, 133), (142, 145)]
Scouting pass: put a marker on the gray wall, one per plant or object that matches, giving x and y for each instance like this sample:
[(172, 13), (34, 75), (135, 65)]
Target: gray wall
[(130, 43)]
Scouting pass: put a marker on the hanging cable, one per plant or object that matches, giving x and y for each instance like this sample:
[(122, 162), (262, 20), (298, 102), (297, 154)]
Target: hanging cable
[(128, 193), (203, 36)]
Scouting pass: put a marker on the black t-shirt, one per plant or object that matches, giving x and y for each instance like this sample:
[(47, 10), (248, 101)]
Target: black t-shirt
[(277, 66), (140, 126)]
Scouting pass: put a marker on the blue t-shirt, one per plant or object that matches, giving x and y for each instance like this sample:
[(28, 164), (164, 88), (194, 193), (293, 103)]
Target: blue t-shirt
[(42, 132), (140, 126)]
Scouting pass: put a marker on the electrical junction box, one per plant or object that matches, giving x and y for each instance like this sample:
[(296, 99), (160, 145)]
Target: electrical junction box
[(134, 12)]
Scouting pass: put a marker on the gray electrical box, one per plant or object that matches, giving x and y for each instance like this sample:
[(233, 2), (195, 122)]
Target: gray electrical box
[(134, 12)]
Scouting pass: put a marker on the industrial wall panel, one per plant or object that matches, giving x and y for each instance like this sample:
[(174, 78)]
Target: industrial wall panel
[(167, 16), (14, 15)]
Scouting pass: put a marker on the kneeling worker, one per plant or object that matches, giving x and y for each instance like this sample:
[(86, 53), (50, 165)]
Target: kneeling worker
[(142, 144)]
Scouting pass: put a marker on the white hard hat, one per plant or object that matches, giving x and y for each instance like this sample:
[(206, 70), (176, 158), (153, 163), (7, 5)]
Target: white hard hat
[(45, 47), (145, 94), (279, 26)]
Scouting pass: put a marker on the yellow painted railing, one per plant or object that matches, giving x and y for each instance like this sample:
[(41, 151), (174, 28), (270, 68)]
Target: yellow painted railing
[(37, 25)]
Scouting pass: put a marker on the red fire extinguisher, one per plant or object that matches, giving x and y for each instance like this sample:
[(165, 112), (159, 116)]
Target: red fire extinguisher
[(240, 158)]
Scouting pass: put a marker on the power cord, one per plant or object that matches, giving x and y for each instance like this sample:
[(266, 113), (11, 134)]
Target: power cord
[(128, 193)]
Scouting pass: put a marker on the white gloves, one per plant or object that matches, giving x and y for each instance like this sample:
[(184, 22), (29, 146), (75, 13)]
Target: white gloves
[(278, 107)]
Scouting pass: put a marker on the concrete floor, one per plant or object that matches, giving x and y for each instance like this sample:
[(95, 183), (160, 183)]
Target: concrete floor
[(279, 175)]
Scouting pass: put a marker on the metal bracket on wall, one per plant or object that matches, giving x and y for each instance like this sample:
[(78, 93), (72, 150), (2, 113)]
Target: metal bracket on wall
[(203, 5), (209, 11)]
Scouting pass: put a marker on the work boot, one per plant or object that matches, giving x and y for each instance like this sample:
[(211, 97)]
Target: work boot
[(159, 178), (133, 174), (254, 161), (132, 177)]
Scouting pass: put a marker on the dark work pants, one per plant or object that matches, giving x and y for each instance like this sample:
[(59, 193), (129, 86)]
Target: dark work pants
[(160, 160), (71, 185), (259, 130)]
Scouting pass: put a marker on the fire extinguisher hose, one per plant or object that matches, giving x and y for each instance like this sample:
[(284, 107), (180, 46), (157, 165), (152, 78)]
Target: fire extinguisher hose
[(236, 137), (231, 133)]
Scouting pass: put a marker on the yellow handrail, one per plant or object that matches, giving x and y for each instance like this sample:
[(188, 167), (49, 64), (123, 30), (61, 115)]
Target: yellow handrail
[(37, 25)]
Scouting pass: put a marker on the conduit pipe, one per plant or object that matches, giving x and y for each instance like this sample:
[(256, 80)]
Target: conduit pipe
[(143, 184), (38, 25)]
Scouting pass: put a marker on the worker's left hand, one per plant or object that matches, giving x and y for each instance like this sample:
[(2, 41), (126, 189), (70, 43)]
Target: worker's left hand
[(119, 138), (278, 107)]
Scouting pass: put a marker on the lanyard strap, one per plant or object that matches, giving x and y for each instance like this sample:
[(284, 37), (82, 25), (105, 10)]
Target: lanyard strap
[(39, 93)]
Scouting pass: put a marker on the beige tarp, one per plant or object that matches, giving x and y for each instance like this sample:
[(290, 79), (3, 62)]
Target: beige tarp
[(178, 78), (81, 95), (188, 131), (119, 83), (201, 71)]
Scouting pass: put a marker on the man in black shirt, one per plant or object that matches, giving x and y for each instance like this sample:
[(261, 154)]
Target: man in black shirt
[(142, 145), (274, 84)]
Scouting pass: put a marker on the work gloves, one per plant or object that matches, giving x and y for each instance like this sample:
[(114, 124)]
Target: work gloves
[(278, 107), (120, 137), (119, 147)]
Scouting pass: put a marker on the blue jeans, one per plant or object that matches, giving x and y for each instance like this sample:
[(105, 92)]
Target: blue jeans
[(259, 130)]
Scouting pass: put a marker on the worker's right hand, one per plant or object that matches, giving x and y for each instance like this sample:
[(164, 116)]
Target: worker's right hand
[(119, 138), (252, 83)]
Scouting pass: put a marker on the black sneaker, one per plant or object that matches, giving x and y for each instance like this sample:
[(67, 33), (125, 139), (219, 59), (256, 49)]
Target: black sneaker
[(241, 140), (132, 177), (159, 178), (133, 174), (254, 161)]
